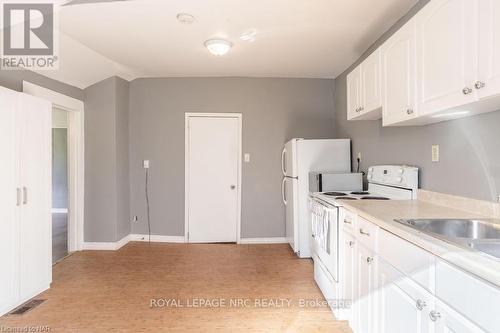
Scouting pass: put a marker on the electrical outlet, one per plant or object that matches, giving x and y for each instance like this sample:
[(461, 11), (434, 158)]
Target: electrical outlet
[(499, 198), (435, 153), (359, 156), (135, 219), (145, 164), (247, 157)]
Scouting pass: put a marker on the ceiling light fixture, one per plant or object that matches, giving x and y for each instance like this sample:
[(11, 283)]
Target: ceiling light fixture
[(451, 114), (185, 18), (218, 47)]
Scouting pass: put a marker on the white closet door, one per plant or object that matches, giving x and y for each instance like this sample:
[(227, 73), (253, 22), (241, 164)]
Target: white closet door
[(35, 231), (9, 218)]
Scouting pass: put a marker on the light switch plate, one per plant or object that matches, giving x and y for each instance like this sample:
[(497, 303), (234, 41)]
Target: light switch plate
[(247, 157), (435, 153)]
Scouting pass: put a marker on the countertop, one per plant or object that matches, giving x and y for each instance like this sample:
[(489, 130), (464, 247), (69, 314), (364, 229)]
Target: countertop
[(383, 214)]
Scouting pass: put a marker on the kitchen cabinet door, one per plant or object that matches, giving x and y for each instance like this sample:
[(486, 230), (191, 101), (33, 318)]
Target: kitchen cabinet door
[(488, 83), (366, 267), (447, 54), (371, 84), (354, 93), (399, 76), (348, 277), (403, 306), (447, 320)]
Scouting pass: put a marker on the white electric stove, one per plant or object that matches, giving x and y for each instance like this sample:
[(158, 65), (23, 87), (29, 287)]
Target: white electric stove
[(385, 182)]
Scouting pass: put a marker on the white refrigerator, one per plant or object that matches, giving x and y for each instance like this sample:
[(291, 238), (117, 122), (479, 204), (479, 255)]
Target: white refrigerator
[(299, 157)]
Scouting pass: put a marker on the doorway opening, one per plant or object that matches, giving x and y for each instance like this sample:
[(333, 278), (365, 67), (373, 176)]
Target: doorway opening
[(60, 184)]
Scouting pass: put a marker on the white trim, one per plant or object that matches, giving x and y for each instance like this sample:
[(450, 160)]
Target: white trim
[(106, 246), (76, 173), (268, 240), (156, 238), (59, 210), (239, 116)]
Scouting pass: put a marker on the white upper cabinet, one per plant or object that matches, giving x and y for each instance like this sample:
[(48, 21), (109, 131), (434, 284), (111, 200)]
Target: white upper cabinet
[(488, 81), (370, 78), (353, 93), (443, 64), (364, 89), (447, 54), (399, 76)]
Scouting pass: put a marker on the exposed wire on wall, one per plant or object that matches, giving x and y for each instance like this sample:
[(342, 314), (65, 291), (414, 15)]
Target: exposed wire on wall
[(147, 205)]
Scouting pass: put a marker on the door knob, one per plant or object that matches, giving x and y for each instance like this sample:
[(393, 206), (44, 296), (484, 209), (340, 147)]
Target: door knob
[(466, 90), (233, 187), (479, 84)]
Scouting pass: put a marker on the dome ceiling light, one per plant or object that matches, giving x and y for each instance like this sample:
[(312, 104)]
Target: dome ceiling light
[(218, 47)]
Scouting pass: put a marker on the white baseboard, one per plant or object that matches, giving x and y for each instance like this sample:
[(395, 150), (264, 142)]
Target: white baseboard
[(60, 210), (106, 246), (267, 240), (156, 238)]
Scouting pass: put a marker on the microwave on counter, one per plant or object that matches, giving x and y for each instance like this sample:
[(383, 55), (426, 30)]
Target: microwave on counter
[(323, 181)]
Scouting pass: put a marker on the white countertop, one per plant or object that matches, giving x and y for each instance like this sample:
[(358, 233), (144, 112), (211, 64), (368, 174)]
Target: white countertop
[(383, 214)]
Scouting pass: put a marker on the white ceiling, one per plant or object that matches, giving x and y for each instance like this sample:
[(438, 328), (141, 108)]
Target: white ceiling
[(295, 38)]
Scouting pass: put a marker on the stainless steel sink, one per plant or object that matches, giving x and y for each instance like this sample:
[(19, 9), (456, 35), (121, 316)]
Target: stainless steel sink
[(479, 234)]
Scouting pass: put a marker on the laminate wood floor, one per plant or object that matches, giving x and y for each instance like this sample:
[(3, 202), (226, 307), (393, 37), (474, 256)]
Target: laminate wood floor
[(112, 291)]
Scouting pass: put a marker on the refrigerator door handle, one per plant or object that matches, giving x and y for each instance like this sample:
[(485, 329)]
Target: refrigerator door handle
[(283, 184), (283, 162)]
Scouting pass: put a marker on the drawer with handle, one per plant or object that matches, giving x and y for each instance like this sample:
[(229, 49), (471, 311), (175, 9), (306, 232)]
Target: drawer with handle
[(347, 220), (367, 233)]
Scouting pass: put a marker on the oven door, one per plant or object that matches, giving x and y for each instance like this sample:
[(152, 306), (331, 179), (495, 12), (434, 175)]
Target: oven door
[(326, 236)]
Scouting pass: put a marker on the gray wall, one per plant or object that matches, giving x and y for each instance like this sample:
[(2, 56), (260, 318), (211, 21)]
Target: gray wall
[(106, 161), (469, 162), (274, 110), (14, 80)]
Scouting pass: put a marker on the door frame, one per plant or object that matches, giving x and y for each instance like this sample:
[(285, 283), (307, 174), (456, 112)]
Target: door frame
[(76, 164), (188, 115)]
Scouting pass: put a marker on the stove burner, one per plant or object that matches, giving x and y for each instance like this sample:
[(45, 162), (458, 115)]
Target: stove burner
[(360, 193), (334, 194), (346, 198), (375, 198)]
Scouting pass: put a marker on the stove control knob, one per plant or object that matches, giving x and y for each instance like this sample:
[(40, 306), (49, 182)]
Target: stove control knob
[(369, 176), (399, 179), (400, 171)]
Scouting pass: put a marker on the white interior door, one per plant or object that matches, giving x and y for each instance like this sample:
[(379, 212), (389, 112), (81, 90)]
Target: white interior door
[(35, 226), (213, 162), (9, 202)]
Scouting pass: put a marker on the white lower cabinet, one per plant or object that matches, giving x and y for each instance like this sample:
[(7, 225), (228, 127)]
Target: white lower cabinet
[(366, 267), (348, 276), (403, 306), (447, 320), (421, 295)]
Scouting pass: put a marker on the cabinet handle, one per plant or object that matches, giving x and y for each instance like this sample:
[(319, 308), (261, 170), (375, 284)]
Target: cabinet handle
[(434, 315), (479, 84), (351, 243), (466, 90), (369, 260), (409, 111), (361, 231), (361, 108), (25, 195), (18, 196), (421, 304), (347, 221)]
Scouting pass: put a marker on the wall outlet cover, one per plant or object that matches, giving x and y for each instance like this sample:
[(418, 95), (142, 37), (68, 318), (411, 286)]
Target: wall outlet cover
[(247, 157), (435, 153), (145, 164)]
